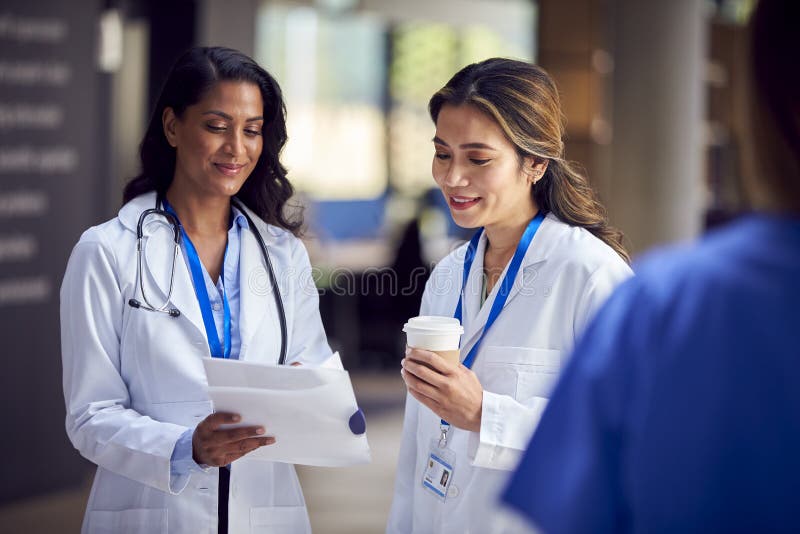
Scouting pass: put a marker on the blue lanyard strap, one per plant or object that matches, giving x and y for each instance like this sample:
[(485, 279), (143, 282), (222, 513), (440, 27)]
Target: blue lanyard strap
[(505, 285), (196, 268), (468, 259)]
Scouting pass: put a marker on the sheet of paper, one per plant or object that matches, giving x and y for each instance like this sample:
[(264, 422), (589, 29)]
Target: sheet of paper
[(306, 409), (235, 373)]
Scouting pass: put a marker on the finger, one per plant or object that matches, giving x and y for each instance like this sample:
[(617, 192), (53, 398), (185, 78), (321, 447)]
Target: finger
[(296, 364), (429, 401), (431, 359), (423, 372), (234, 435), (434, 406), (247, 446), (217, 419), (411, 380), (408, 378), (415, 384)]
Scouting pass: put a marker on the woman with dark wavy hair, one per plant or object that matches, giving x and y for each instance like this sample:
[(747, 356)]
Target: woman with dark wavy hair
[(201, 261), (266, 190), (542, 261)]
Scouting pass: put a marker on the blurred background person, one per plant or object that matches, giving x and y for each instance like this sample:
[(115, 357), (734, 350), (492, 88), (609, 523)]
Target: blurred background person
[(133, 307), (542, 261), (679, 410)]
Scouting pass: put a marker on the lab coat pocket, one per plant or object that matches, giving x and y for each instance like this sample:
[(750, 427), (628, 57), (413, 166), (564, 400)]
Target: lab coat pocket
[(279, 520), (131, 521), (521, 372)]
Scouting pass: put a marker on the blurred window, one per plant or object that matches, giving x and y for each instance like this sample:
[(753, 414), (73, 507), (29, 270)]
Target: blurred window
[(332, 72), (357, 84), (735, 11)]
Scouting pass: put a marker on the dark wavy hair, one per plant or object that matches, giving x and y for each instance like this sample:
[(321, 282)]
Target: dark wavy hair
[(523, 100), (267, 190)]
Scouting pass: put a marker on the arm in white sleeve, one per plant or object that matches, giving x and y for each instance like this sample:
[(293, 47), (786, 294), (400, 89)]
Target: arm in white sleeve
[(99, 420), (309, 343)]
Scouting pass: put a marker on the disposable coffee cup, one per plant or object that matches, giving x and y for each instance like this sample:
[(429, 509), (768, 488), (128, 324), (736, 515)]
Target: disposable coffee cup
[(435, 333)]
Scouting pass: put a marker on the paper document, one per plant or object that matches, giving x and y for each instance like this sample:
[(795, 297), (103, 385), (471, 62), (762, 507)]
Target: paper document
[(310, 411)]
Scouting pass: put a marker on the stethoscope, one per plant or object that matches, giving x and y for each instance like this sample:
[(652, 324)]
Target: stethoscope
[(176, 229)]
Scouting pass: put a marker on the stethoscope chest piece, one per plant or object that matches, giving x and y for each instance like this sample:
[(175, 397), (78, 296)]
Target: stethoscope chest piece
[(172, 312)]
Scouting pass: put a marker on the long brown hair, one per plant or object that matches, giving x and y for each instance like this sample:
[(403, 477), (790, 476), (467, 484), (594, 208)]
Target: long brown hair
[(267, 190), (524, 102)]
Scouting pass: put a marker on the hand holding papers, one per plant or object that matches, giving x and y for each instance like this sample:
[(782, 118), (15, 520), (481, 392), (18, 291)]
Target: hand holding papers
[(311, 411)]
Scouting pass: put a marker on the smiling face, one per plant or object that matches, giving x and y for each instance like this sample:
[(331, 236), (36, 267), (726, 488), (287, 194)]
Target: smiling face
[(479, 171), (217, 140)]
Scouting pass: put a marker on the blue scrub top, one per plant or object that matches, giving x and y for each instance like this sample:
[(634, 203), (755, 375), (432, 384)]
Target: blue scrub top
[(680, 408)]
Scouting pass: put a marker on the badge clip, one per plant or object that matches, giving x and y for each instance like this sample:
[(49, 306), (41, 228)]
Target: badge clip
[(443, 436)]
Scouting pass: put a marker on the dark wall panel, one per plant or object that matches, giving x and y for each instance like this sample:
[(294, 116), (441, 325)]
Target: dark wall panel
[(51, 156)]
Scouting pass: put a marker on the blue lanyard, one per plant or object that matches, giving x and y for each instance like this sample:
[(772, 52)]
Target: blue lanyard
[(196, 269), (505, 285)]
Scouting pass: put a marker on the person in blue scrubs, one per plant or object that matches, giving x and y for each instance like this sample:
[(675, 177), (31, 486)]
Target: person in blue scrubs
[(680, 408)]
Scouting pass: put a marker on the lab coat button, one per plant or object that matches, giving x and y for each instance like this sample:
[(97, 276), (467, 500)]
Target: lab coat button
[(453, 491), (216, 306)]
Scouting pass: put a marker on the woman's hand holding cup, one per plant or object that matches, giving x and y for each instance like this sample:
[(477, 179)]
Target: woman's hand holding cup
[(434, 375)]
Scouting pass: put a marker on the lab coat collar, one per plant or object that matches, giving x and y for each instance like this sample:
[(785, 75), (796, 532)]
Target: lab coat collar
[(475, 315), (129, 213)]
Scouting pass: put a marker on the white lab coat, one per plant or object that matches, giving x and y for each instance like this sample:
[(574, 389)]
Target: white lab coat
[(564, 277), (134, 379)]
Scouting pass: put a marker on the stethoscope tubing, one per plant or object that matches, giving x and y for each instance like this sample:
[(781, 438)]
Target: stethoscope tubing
[(273, 280), (172, 312)]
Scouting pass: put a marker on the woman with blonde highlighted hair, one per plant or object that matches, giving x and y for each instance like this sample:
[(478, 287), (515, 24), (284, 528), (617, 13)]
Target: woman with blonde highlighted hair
[(541, 262)]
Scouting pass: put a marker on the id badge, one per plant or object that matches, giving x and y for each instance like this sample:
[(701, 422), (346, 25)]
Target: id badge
[(438, 473)]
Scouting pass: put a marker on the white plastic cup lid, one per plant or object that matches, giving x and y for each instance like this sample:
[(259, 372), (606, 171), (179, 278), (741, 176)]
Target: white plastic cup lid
[(434, 324), (433, 333)]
